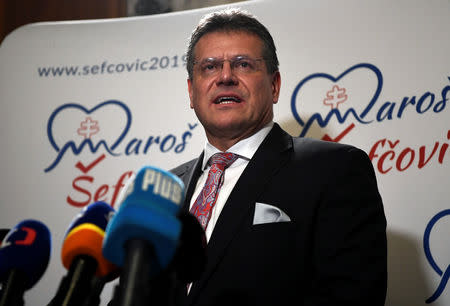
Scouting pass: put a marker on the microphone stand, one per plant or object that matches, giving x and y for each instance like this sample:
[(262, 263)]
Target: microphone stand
[(12, 291), (93, 298), (76, 285), (134, 282)]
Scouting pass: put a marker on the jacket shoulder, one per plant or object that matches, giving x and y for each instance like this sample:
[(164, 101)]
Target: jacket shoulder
[(306, 146), (329, 155)]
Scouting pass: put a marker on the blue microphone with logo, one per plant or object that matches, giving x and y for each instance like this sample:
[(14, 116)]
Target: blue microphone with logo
[(24, 256), (143, 235)]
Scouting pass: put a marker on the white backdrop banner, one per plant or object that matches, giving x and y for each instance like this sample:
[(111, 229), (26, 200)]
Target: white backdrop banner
[(86, 104)]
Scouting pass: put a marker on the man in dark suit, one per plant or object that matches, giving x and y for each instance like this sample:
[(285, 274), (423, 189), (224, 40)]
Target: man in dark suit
[(296, 221)]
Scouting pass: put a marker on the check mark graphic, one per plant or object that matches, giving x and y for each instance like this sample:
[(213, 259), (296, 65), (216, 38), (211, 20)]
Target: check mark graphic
[(340, 136), (86, 169)]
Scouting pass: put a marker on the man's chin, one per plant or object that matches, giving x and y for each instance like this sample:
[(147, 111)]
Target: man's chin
[(231, 129), (228, 126)]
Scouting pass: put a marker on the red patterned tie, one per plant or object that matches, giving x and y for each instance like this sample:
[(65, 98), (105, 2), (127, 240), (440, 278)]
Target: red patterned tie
[(205, 201)]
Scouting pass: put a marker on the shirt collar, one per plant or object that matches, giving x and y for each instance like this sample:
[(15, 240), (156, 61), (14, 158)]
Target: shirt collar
[(245, 148)]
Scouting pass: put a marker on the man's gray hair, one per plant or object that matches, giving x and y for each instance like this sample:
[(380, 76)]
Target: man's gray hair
[(233, 20)]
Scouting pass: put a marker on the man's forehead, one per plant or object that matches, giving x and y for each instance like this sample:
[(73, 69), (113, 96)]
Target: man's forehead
[(228, 43)]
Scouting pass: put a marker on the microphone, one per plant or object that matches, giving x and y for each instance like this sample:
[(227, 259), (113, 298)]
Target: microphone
[(187, 265), (143, 235), (24, 256), (3, 232), (190, 258), (82, 256)]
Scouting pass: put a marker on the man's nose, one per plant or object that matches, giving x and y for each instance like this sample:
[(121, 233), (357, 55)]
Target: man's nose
[(227, 76)]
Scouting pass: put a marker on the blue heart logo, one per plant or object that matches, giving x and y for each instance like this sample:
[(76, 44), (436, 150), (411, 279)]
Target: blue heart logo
[(335, 112), (445, 275), (88, 111)]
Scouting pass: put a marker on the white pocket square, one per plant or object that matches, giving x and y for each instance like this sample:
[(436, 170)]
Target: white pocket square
[(265, 213)]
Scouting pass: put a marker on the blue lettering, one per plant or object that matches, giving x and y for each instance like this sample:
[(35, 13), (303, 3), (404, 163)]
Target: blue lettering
[(386, 110), (129, 66), (148, 144), (143, 65), (180, 147), (94, 69), (110, 68), (405, 103), (85, 70), (441, 104), (390, 108), (163, 143), (137, 64), (133, 145), (120, 67), (422, 99)]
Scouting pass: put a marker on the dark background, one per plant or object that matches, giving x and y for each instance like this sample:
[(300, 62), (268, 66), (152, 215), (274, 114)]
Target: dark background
[(15, 13)]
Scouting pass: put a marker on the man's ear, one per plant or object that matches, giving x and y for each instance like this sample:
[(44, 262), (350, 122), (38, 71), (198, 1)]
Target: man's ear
[(276, 85), (190, 90)]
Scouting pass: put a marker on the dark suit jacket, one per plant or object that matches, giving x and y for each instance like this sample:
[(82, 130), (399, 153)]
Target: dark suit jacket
[(333, 252)]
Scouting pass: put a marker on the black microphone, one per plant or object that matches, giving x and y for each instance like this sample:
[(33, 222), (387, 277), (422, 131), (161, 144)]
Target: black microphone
[(82, 255), (24, 256), (186, 267), (190, 258), (3, 233)]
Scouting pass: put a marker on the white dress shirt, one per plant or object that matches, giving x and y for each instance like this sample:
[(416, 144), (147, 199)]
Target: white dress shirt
[(245, 148)]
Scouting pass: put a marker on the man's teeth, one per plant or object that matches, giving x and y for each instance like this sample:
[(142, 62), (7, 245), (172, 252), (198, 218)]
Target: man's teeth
[(227, 100)]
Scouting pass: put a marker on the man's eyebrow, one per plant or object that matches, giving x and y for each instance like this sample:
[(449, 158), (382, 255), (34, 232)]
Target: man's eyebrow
[(231, 57), (241, 55)]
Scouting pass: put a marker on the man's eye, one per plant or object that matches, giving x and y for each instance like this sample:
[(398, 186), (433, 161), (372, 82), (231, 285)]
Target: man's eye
[(243, 64), (209, 66)]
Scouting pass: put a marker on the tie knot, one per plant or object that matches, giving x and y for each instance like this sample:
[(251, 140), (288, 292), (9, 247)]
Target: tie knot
[(223, 160)]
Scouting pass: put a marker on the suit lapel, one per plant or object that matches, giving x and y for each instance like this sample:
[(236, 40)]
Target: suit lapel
[(270, 156), (190, 177)]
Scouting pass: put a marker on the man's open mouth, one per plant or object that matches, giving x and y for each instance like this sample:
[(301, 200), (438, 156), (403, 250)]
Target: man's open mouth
[(227, 100)]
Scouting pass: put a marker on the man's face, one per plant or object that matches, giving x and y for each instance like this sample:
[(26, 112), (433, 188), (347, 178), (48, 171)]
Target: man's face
[(232, 99)]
